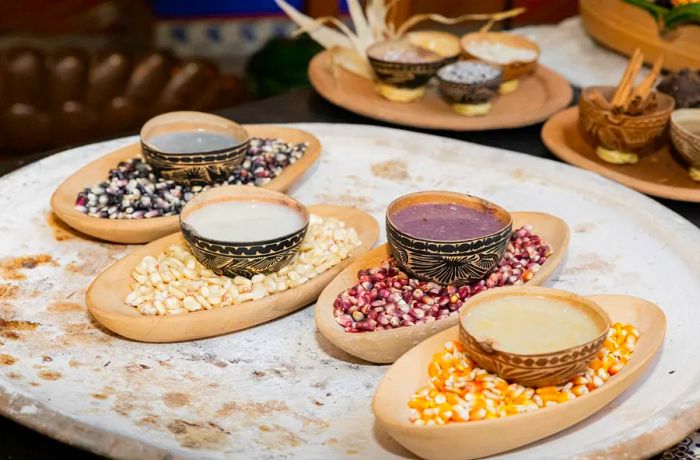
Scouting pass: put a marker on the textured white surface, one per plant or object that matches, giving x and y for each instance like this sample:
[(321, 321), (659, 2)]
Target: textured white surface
[(280, 390), (569, 51)]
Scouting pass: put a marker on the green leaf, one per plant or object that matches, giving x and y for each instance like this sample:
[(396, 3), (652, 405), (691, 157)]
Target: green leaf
[(655, 10), (684, 14)]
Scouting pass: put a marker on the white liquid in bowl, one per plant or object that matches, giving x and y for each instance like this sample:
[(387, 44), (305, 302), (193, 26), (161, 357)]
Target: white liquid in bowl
[(191, 142), (531, 325), (245, 221)]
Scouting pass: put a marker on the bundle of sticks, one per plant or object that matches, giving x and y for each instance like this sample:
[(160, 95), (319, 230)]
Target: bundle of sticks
[(628, 99)]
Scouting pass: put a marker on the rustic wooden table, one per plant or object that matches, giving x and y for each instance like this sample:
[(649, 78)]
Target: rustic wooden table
[(302, 105)]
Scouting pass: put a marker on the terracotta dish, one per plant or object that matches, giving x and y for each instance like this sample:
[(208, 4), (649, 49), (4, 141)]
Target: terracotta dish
[(685, 133), (105, 296), (540, 95), (387, 345), (462, 441), (620, 132), (659, 174), (144, 230), (535, 370), (514, 69), (447, 262), (231, 258), (195, 167), (624, 27)]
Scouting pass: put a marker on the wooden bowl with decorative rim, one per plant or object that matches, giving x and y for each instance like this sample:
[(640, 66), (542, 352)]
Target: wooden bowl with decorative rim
[(244, 258), (455, 262), (626, 133), (685, 134), (194, 168), (530, 369)]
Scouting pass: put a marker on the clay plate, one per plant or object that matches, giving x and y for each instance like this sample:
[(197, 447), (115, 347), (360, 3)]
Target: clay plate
[(658, 174), (539, 96), (386, 346), (144, 230), (105, 296), (487, 437)]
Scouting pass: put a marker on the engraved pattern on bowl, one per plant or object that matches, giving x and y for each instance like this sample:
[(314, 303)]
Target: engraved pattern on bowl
[(638, 134), (454, 262), (687, 143)]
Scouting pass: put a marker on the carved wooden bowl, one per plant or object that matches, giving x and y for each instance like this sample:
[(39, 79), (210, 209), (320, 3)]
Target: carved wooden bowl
[(231, 258), (194, 168), (534, 370), (626, 133), (448, 262), (685, 133)]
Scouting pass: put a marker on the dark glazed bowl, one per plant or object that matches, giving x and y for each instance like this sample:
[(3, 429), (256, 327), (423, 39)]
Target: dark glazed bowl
[(408, 74), (469, 93), (626, 133), (197, 168), (448, 262), (534, 370), (231, 258)]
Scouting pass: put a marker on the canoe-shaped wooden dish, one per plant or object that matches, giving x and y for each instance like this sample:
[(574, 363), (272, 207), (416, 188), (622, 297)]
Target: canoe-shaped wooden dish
[(624, 27), (658, 174), (539, 96), (134, 231), (105, 296), (385, 346), (462, 441)]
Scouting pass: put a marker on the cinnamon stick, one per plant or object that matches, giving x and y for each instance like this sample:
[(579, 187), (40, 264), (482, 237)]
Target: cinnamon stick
[(624, 88), (598, 99), (640, 95)]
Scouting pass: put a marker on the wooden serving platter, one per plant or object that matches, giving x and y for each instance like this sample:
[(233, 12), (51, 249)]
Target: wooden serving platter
[(660, 174), (463, 441), (625, 27), (538, 97), (385, 346), (105, 296), (144, 230)]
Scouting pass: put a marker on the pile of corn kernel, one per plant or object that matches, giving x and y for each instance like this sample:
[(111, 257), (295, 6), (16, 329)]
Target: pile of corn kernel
[(459, 391), (175, 282)]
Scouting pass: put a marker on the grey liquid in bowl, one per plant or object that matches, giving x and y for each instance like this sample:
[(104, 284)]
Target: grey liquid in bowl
[(192, 142)]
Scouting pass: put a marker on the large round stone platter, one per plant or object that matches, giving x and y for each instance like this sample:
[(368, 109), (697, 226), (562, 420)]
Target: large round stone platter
[(281, 390)]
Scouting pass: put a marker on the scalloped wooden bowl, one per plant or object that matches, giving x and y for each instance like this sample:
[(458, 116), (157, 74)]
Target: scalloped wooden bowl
[(105, 296), (134, 231), (386, 346), (462, 441)]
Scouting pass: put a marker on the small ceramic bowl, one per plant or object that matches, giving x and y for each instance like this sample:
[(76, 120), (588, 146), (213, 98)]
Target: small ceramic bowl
[(685, 134), (534, 370), (244, 258), (470, 96), (403, 69), (624, 134), (194, 168), (512, 69), (443, 43), (447, 262)]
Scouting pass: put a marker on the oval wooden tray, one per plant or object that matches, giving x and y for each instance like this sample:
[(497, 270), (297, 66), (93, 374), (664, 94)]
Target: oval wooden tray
[(462, 441), (625, 27), (658, 174), (539, 96), (105, 296), (386, 346), (133, 231)]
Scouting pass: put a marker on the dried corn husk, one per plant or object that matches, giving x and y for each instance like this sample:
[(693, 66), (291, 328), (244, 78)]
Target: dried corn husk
[(348, 48)]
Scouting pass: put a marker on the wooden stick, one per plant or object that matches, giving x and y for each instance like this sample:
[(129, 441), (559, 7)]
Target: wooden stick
[(625, 86), (640, 95)]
